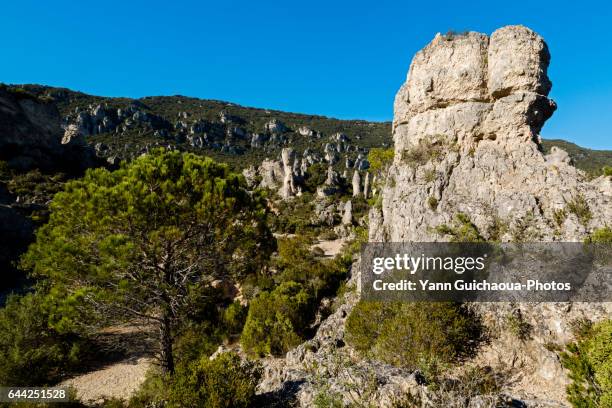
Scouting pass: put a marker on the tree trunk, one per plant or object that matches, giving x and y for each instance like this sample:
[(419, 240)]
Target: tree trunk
[(166, 356)]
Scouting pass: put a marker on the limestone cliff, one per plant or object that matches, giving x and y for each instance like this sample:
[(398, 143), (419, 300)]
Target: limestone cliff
[(466, 130)]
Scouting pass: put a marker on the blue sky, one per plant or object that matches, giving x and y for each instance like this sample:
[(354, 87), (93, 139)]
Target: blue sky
[(344, 59)]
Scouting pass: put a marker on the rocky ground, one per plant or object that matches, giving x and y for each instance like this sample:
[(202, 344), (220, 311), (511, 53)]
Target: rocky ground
[(120, 380)]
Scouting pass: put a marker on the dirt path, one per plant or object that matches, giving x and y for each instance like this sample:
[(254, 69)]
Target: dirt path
[(332, 247), (119, 380), (118, 377)]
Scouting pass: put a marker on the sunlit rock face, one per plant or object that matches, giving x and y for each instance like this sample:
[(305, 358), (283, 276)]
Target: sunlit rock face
[(466, 130)]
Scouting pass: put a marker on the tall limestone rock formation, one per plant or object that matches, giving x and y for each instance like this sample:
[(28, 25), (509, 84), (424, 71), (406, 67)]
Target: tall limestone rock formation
[(289, 188), (466, 130), (356, 184)]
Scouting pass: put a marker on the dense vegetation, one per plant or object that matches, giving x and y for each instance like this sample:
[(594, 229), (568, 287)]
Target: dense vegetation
[(157, 243), (145, 241), (279, 318), (144, 245), (426, 336), (589, 361)]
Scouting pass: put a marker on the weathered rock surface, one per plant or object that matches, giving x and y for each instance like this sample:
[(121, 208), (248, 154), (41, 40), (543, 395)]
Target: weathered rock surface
[(356, 184), (31, 136), (331, 185), (290, 187), (466, 130), (366, 186), (469, 113), (272, 174), (347, 216)]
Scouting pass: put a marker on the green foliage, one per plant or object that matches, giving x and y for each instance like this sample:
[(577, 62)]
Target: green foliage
[(146, 240), (327, 399), (294, 216), (600, 235), (524, 229), (462, 230), (413, 335), (277, 320), (518, 326), (429, 175), (580, 208), (589, 361), (315, 176), (32, 352), (432, 202), (426, 150), (606, 171), (298, 263), (224, 382), (234, 318), (153, 393), (559, 216), (380, 159)]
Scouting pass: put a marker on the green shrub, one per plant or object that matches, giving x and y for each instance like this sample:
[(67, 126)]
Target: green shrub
[(195, 339), (524, 229), (601, 235), (294, 216), (606, 171), (328, 399), (234, 318), (279, 317), (433, 203), (32, 353), (462, 230), (413, 335), (316, 174), (580, 208), (517, 325), (589, 361), (430, 175), (224, 382), (380, 159), (297, 262), (363, 326), (559, 216), (328, 235), (153, 392), (426, 150), (276, 320)]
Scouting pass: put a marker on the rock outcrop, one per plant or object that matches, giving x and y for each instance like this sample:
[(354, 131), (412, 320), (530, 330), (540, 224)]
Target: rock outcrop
[(331, 185), (466, 130), (347, 215), (290, 187), (356, 184), (31, 136)]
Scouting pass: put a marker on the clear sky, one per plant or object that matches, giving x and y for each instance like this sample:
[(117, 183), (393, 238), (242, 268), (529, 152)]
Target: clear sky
[(344, 59)]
